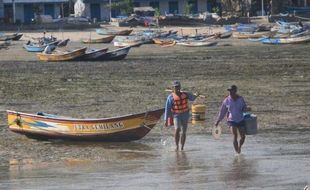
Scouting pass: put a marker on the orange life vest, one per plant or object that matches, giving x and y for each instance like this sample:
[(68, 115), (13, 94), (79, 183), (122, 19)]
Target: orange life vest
[(180, 103)]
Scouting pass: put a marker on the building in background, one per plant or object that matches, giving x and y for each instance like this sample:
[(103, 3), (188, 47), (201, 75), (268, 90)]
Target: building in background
[(25, 10)]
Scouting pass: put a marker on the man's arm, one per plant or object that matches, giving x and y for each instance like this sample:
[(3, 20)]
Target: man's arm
[(191, 97), (168, 108), (222, 113)]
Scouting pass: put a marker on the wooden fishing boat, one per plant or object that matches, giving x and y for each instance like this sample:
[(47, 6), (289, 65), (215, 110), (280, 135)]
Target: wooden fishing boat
[(105, 39), (163, 42), (94, 54), (13, 37), (63, 43), (5, 45), (17, 37), (275, 41), (62, 55), (114, 55), (103, 31), (43, 126), (197, 44), (224, 35), (33, 47), (134, 43), (246, 35)]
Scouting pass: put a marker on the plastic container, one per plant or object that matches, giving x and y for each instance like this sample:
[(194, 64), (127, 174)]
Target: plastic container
[(198, 114), (250, 124)]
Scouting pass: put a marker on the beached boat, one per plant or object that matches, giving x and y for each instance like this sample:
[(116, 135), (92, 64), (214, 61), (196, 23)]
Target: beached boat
[(33, 47), (135, 43), (62, 55), (103, 31), (105, 39), (224, 35), (63, 43), (46, 126), (275, 41), (246, 35), (5, 44), (163, 41), (94, 54), (13, 37), (242, 27), (197, 44), (114, 55)]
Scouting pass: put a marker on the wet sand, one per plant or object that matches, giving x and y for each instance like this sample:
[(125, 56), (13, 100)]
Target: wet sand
[(274, 80)]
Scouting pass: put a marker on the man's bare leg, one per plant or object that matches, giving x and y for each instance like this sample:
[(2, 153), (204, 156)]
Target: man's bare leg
[(183, 139), (242, 139), (177, 138), (235, 138)]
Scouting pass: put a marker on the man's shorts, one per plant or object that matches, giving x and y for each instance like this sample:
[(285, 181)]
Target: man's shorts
[(180, 122), (240, 125)]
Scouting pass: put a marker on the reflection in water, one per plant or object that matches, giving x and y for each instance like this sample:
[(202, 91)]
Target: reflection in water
[(182, 163), (180, 169), (205, 164), (240, 171)]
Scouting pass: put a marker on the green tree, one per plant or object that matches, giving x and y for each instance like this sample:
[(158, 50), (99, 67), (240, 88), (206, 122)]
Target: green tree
[(188, 9), (125, 6), (216, 10), (157, 13)]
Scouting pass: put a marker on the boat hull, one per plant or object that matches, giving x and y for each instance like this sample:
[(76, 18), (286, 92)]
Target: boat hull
[(106, 39), (113, 32), (45, 127), (296, 40), (94, 55), (63, 56), (115, 55)]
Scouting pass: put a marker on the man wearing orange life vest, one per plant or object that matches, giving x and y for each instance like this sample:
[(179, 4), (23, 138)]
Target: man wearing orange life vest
[(177, 108)]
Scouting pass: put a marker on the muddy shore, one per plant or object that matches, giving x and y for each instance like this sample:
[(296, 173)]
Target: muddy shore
[(274, 80)]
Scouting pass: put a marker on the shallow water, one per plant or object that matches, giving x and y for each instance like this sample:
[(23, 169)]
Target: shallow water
[(270, 160)]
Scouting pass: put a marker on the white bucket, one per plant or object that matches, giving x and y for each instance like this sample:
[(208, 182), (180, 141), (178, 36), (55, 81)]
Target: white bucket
[(251, 125)]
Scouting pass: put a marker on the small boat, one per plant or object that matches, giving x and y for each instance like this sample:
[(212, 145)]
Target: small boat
[(114, 55), (134, 43), (105, 39), (63, 43), (62, 55), (44, 126), (17, 37), (5, 44), (33, 47), (163, 42), (224, 35), (113, 32), (197, 44), (242, 27), (94, 54), (246, 35), (275, 41), (13, 37)]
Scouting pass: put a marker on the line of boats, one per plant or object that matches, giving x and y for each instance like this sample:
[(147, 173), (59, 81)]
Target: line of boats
[(85, 54), (281, 33)]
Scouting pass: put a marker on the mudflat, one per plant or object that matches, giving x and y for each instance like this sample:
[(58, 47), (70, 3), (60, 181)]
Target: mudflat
[(274, 81)]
